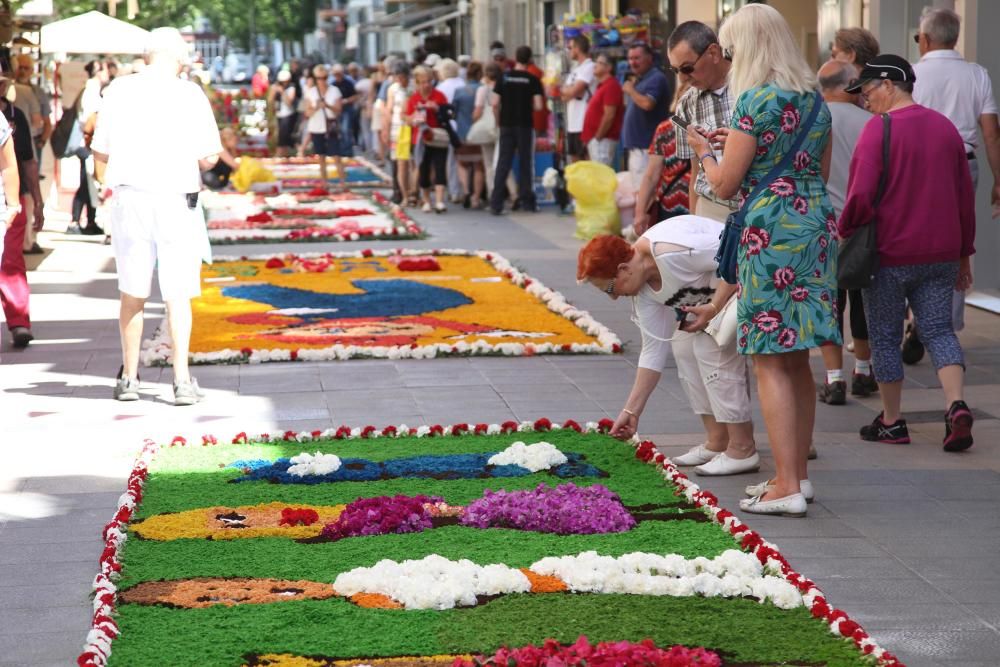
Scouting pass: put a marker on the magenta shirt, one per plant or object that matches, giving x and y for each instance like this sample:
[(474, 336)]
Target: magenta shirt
[(927, 213)]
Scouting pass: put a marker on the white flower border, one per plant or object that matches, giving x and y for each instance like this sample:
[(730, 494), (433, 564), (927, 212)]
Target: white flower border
[(157, 349), (104, 629), (404, 228)]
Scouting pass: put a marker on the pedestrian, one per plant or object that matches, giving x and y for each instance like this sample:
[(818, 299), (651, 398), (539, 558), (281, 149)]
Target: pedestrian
[(392, 128), (422, 114), (285, 104), (469, 156), (348, 116), (366, 97), (485, 104), (602, 123), (518, 93), (381, 80), (216, 176), (308, 89), (154, 215), (854, 46), (15, 293), (925, 239), (24, 73), (323, 106), (663, 193), (848, 121), (647, 96), (963, 92), (11, 183), (260, 81), (498, 54), (85, 197), (449, 83), (698, 61), (787, 267), (576, 92), (668, 267)]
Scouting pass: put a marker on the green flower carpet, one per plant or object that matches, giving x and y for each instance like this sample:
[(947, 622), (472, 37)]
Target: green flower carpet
[(472, 544)]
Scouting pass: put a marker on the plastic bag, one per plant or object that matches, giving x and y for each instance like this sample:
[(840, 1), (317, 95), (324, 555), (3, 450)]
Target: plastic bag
[(593, 186), (250, 171)]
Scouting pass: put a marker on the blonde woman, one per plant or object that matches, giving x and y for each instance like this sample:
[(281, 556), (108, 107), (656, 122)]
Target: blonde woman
[(787, 257), (395, 107)]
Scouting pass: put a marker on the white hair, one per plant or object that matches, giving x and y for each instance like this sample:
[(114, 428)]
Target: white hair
[(167, 44), (447, 68), (940, 25), (764, 52)]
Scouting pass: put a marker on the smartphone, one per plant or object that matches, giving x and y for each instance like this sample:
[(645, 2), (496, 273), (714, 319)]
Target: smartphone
[(679, 122)]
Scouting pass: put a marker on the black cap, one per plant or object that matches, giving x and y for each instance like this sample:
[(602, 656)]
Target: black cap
[(885, 67)]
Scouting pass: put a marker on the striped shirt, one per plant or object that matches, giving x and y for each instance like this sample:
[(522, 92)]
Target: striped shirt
[(710, 110)]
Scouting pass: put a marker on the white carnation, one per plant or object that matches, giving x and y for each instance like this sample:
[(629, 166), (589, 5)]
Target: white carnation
[(535, 457), (313, 464)]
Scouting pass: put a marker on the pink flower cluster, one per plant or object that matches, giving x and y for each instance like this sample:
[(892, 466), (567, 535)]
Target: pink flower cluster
[(605, 654), (567, 509), (381, 515)]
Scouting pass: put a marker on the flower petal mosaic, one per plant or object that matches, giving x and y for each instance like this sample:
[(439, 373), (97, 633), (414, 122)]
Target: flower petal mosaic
[(457, 545), (378, 304)]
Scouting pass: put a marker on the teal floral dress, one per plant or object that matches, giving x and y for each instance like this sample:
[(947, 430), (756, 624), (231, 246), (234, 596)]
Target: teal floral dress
[(787, 280)]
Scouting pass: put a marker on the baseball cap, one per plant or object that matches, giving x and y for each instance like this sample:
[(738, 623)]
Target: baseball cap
[(886, 67)]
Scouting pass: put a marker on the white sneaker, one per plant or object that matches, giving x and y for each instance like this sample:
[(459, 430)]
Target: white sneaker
[(426, 208), (726, 465), (805, 486), (793, 505), (695, 456)]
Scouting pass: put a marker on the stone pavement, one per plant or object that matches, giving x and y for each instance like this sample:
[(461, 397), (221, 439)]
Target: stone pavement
[(904, 538)]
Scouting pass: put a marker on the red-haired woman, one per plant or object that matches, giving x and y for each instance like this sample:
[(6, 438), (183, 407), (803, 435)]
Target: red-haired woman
[(670, 267)]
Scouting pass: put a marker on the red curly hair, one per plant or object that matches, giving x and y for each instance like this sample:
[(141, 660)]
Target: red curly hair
[(601, 256)]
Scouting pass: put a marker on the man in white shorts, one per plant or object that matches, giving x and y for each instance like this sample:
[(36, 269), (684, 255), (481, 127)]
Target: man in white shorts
[(152, 131)]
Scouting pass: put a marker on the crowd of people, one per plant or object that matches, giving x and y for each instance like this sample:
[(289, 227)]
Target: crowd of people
[(778, 164)]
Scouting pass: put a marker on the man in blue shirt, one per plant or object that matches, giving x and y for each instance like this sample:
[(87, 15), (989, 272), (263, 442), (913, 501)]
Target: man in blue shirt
[(648, 93)]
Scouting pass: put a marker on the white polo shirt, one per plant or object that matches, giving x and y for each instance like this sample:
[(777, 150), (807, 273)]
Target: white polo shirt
[(154, 128), (949, 84), (576, 109)]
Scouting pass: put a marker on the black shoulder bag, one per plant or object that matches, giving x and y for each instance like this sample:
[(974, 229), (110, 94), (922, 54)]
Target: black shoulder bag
[(858, 258), (729, 239)]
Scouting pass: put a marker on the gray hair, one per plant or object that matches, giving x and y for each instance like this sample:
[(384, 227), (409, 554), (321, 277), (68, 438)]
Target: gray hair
[(940, 25), (839, 79), (698, 36)]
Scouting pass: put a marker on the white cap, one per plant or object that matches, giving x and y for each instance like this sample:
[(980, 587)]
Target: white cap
[(284, 75), (168, 42)]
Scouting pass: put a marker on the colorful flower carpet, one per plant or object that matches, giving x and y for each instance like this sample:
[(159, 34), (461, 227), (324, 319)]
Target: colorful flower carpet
[(380, 304), (315, 215), (294, 174), (511, 544)]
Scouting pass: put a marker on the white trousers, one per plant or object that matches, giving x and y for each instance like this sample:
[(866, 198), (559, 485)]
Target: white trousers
[(715, 379)]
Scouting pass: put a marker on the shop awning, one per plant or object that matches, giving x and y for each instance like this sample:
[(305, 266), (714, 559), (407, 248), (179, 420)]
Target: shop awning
[(95, 33), (412, 20)]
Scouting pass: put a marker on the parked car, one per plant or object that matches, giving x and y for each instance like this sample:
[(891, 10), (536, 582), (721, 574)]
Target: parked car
[(237, 68)]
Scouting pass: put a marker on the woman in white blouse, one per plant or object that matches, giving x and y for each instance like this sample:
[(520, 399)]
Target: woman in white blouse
[(672, 267)]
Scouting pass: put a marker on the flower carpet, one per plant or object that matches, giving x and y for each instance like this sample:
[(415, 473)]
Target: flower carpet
[(471, 544), (380, 304), (303, 173), (315, 215)]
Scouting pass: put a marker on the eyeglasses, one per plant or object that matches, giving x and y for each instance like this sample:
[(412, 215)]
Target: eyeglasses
[(687, 70), (610, 289), (865, 93), (728, 54), (916, 38)]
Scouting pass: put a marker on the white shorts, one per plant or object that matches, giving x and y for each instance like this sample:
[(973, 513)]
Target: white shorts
[(156, 230), (602, 150), (715, 379)]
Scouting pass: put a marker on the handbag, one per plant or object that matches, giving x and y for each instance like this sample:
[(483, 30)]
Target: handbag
[(438, 137), (857, 261), (484, 130), (729, 239), (722, 327), (67, 136)]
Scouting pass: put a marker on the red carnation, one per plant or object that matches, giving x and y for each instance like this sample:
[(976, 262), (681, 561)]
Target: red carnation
[(543, 424)]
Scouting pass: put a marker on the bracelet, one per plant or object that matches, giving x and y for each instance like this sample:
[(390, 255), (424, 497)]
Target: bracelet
[(707, 155), (629, 412), (714, 307)]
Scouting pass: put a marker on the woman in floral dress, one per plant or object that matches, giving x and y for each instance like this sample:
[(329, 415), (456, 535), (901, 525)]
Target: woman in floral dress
[(787, 254)]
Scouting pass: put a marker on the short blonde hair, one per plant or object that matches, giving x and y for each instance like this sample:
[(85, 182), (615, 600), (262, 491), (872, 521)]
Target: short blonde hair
[(423, 71), (764, 52), (447, 68)]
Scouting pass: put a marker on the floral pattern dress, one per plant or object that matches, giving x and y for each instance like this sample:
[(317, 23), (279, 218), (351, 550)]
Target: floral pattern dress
[(787, 280)]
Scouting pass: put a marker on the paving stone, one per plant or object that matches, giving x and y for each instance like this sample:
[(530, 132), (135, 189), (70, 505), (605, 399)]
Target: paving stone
[(917, 647), (57, 649)]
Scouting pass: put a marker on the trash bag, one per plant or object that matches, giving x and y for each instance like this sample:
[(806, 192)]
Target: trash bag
[(593, 186), (251, 171)]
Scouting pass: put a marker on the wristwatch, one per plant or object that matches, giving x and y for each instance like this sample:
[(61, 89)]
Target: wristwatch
[(701, 160)]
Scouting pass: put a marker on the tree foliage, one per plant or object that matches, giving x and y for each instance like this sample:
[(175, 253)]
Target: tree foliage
[(286, 20)]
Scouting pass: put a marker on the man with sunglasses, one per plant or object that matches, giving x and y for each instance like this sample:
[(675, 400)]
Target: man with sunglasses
[(697, 58), (648, 94)]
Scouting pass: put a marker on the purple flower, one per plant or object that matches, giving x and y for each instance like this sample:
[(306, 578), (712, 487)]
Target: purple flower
[(565, 510), (382, 515)]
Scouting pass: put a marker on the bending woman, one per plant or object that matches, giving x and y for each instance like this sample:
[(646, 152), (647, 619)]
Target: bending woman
[(671, 267)]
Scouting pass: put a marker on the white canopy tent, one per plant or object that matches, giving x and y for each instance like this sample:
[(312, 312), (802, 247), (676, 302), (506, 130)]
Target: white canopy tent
[(95, 33)]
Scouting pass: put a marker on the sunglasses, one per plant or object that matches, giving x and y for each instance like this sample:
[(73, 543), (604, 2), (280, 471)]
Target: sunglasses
[(688, 69), (916, 38), (610, 289)]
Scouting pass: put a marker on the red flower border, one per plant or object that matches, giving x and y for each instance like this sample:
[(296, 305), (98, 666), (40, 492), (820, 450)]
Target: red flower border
[(104, 629)]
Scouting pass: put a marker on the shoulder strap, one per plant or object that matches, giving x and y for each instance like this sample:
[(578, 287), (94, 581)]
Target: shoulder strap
[(884, 176), (790, 155)]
